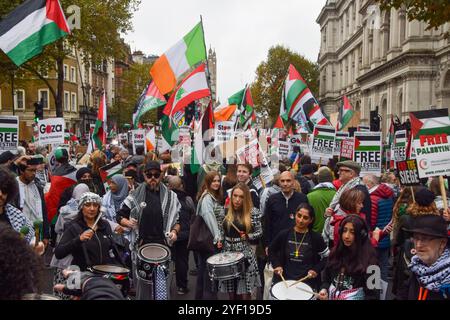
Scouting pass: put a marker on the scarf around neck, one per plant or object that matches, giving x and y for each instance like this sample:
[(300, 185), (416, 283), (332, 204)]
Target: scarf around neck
[(435, 277)]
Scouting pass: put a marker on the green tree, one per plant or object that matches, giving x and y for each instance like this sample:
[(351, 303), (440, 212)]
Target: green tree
[(270, 76), (434, 12), (101, 24), (135, 80)]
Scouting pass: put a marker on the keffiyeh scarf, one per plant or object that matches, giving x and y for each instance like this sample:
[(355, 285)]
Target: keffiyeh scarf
[(435, 277)]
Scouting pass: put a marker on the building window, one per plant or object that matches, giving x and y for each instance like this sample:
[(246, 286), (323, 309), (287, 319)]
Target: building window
[(73, 74), (19, 100), (43, 95), (66, 101), (66, 72), (73, 101)]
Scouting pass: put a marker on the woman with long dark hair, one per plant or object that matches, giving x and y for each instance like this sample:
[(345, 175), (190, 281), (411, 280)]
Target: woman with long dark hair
[(346, 273), (211, 210), (299, 251)]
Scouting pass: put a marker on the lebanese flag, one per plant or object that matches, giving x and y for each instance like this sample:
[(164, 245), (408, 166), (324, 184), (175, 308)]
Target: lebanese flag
[(99, 134), (30, 27), (193, 87), (62, 178)]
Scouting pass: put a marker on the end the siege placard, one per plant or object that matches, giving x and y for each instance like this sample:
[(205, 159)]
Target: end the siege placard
[(408, 173)]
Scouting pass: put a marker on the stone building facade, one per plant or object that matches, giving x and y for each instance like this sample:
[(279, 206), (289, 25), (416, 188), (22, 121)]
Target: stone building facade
[(380, 59)]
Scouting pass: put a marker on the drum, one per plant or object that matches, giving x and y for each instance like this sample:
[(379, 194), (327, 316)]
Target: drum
[(149, 257), (226, 265), (300, 291), (117, 274)]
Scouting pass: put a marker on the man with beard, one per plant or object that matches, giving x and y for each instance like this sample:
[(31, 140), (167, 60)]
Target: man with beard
[(152, 211)]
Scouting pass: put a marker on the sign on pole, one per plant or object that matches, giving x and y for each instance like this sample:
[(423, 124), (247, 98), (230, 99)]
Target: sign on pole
[(138, 139), (367, 152), (399, 147), (51, 131), (340, 136), (323, 141), (223, 132), (430, 138), (408, 173), (347, 149), (9, 133)]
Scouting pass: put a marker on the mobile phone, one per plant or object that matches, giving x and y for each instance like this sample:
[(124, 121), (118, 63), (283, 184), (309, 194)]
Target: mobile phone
[(35, 160)]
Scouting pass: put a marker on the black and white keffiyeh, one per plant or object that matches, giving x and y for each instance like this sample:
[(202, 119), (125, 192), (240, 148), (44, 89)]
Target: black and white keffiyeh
[(89, 197), (434, 277), (18, 220)]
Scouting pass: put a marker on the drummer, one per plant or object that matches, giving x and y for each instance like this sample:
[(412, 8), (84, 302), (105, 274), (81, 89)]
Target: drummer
[(299, 252), (241, 224), (87, 241)]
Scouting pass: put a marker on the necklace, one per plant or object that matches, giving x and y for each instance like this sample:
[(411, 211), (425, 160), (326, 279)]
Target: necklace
[(297, 247)]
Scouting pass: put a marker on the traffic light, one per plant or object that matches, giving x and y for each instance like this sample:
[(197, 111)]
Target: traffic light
[(38, 111)]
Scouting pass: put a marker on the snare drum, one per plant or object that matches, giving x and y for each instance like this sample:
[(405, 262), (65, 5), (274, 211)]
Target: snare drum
[(117, 274), (149, 257), (300, 291), (226, 265)]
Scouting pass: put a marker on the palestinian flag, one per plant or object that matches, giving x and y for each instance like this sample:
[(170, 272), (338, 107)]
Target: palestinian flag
[(110, 170), (62, 178), (345, 114), (207, 123), (34, 24), (151, 98), (183, 56), (230, 110), (279, 124), (169, 134), (367, 141), (99, 134), (197, 149), (429, 122), (193, 87), (247, 112), (324, 132)]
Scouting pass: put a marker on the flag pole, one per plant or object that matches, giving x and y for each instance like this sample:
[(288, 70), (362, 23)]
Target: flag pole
[(208, 74)]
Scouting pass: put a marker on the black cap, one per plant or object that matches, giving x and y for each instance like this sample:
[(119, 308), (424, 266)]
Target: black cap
[(424, 197), (430, 225), (6, 156), (153, 165)]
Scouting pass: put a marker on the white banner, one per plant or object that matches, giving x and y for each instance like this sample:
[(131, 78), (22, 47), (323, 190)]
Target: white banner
[(51, 131), (138, 139)]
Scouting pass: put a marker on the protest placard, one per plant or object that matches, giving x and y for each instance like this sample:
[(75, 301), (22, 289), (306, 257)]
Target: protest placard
[(138, 139), (399, 146), (367, 152), (347, 149), (223, 132), (408, 173), (51, 131), (9, 133), (340, 135), (323, 141)]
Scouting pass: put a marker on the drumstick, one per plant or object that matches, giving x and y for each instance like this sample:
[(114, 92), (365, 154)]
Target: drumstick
[(236, 228), (307, 291), (97, 220), (284, 280), (301, 280)]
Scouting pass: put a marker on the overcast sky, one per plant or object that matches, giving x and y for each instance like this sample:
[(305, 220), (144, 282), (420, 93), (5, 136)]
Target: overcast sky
[(240, 31)]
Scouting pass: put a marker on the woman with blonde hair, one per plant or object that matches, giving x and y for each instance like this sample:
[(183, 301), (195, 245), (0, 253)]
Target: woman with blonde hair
[(242, 224)]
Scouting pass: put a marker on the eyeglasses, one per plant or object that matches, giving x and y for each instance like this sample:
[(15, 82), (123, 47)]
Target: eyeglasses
[(423, 238), (149, 175)]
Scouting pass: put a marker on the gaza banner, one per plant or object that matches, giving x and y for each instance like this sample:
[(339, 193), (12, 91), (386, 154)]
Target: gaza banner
[(340, 136), (9, 133), (399, 147), (323, 141), (430, 131), (138, 139), (367, 152), (51, 131)]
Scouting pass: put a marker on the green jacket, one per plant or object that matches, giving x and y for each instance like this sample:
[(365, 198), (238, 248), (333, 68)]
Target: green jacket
[(319, 198)]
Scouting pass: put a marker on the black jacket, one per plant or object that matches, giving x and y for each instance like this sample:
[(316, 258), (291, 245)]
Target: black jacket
[(186, 213), (99, 248), (280, 214), (45, 222)]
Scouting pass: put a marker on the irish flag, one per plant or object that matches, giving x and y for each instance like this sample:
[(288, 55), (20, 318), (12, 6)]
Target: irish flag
[(99, 134), (30, 27), (183, 56), (230, 110), (151, 98), (193, 87), (150, 139), (345, 114)]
